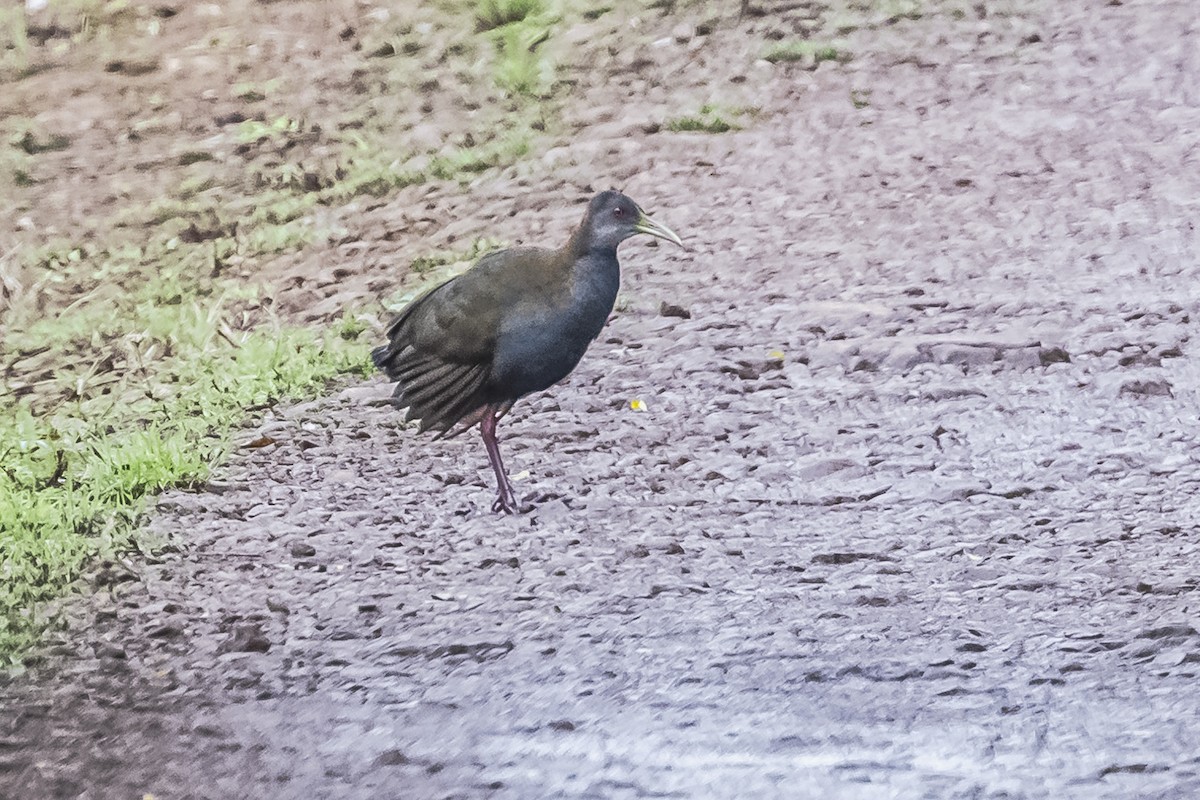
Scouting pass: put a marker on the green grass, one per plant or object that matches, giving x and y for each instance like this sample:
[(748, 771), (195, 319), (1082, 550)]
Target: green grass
[(430, 262), (463, 162), (519, 69), (253, 130), (804, 50), (490, 14), (130, 357), (712, 118), (701, 124), (517, 29), (277, 218), (76, 470), (132, 385)]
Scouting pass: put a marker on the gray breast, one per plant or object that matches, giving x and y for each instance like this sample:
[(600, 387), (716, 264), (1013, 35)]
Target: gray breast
[(540, 345)]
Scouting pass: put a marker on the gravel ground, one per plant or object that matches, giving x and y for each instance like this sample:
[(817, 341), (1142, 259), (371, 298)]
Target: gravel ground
[(910, 511)]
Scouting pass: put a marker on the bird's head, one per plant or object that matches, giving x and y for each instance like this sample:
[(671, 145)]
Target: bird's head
[(612, 218)]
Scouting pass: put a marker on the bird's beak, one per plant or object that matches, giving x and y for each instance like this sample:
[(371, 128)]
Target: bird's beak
[(647, 225)]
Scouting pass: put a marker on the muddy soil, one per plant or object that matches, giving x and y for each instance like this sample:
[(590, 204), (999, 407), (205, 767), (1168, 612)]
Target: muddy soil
[(910, 511)]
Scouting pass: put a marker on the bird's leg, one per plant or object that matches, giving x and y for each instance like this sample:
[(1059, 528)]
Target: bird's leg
[(506, 501)]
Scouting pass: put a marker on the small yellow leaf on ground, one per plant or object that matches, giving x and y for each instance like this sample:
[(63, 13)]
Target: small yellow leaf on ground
[(522, 475), (776, 354), (637, 405)]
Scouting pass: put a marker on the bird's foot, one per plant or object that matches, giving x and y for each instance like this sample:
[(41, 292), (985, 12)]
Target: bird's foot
[(505, 503)]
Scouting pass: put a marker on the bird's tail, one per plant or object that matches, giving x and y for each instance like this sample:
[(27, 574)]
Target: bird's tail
[(382, 356)]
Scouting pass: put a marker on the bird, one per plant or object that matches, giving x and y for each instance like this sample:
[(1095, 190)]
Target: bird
[(516, 322)]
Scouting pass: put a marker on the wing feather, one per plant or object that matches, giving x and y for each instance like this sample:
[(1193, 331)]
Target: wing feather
[(441, 346)]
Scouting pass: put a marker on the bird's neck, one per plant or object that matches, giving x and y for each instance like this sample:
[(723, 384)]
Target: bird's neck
[(581, 245), (595, 274)]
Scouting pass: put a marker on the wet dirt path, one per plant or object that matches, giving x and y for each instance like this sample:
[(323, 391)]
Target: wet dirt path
[(945, 547)]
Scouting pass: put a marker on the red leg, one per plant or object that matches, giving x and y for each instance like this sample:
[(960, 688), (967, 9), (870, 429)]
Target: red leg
[(506, 501)]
